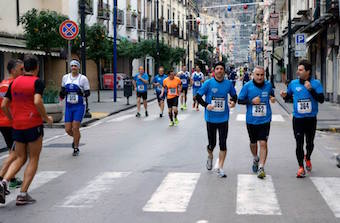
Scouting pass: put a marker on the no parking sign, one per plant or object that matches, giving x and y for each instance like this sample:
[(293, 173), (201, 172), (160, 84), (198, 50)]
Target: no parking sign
[(68, 29)]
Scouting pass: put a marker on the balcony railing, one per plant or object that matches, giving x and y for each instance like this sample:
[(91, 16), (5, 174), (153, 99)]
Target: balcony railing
[(130, 20), (120, 17), (103, 11)]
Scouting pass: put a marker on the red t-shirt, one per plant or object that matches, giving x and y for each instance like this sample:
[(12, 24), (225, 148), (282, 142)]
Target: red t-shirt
[(21, 93)]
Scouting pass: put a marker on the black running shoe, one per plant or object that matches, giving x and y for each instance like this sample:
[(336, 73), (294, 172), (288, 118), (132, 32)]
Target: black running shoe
[(146, 114), (76, 152), (3, 189), (24, 200)]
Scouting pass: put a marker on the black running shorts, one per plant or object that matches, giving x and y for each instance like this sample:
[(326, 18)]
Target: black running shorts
[(258, 132), (28, 135), (173, 102), (143, 95)]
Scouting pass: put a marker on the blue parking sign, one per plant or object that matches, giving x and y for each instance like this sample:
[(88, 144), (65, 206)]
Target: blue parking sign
[(300, 38)]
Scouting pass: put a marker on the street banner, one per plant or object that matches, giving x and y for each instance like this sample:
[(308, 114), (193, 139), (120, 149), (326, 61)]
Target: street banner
[(274, 26)]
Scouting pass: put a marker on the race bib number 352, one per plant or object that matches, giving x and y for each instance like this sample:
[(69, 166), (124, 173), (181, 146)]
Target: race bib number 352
[(304, 106), (259, 110)]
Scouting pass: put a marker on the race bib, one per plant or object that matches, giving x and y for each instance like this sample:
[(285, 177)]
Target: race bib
[(140, 87), (219, 104), (72, 98), (304, 106), (197, 83), (184, 81), (172, 91), (259, 110)]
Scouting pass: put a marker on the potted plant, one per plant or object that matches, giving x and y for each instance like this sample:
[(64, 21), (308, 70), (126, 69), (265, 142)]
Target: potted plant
[(52, 103)]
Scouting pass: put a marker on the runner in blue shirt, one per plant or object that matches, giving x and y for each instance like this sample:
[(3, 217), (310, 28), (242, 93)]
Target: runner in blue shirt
[(306, 93), (158, 84), (197, 80), (184, 75), (217, 105), (257, 95), (140, 83)]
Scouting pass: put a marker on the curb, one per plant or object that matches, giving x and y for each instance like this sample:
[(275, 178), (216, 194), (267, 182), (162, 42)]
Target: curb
[(3, 150), (92, 120)]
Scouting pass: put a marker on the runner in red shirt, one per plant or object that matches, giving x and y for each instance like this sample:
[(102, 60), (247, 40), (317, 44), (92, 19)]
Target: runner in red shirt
[(27, 112), (15, 68)]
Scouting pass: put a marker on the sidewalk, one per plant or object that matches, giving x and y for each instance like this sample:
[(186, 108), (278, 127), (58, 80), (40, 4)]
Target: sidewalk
[(106, 106), (329, 113)]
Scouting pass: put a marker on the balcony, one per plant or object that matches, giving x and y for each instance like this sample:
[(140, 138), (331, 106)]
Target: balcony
[(151, 27), (120, 17), (88, 7), (103, 11), (130, 20), (174, 30)]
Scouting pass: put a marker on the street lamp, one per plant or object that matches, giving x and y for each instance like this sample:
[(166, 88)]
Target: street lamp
[(83, 50), (157, 35), (114, 51)]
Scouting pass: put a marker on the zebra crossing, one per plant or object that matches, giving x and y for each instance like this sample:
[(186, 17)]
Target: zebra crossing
[(176, 190)]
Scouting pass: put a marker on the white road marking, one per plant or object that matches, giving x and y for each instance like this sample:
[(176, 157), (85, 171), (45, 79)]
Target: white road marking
[(174, 193), (275, 118), (40, 179), (53, 138), (150, 118), (86, 197), (4, 156), (329, 188), (182, 117), (121, 118), (256, 196), (202, 221)]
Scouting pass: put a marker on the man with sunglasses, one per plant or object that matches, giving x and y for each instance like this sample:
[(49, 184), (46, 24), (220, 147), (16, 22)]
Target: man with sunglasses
[(15, 68), (257, 95), (75, 88)]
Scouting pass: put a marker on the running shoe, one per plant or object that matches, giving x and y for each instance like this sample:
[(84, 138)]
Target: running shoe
[(301, 172), (176, 121), (209, 163), (185, 107), (220, 173), (23, 200), (3, 189), (338, 160), (146, 114), (15, 183), (308, 165), (138, 115), (76, 152), (171, 123), (261, 174), (182, 107), (255, 166), (160, 115), (73, 145)]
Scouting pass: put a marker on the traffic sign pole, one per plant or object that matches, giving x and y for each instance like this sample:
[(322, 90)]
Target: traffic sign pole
[(69, 55)]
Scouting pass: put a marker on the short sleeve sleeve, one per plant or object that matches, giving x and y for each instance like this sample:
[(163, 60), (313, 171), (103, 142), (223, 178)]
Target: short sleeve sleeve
[(204, 89), (9, 92), (39, 87), (244, 93), (85, 83)]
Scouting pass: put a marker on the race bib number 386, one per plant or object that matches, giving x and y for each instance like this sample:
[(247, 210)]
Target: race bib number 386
[(304, 106), (219, 104)]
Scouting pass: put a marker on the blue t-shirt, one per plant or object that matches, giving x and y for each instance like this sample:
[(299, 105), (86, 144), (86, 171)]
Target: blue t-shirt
[(303, 102), (141, 86), (185, 78), (216, 93), (232, 75), (197, 79), (257, 114), (159, 79), (246, 77)]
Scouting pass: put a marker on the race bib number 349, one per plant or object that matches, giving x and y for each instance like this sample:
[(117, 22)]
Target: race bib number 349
[(304, 106)]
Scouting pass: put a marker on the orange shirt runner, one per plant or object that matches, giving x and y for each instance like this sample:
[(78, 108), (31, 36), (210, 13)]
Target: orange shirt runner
[(172, 87)]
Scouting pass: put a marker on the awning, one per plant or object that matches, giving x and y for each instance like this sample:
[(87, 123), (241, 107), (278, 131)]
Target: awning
[(312, 36), (278, 52), (11, 45)]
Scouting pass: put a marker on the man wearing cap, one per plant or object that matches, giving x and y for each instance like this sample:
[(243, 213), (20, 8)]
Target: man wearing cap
[(74, 87)]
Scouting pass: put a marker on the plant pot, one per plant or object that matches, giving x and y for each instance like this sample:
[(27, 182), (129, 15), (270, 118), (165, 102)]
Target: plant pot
[(55, 110)]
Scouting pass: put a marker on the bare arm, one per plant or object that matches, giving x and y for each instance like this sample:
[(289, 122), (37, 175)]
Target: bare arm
[(5, 108), (38, 102)]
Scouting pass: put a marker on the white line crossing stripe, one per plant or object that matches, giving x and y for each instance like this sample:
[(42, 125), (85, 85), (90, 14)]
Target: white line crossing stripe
[(40, 179), (88, 195), (275, 118), (174, 193), (256, 196), (329, 188), (150, 118), (121, 118), (182, 117)]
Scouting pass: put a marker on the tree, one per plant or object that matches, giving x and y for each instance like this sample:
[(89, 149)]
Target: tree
[(98, 48), (205, 54), (41, 29)]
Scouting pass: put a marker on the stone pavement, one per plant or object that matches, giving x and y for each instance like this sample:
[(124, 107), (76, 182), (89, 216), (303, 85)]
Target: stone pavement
[(329, 113)]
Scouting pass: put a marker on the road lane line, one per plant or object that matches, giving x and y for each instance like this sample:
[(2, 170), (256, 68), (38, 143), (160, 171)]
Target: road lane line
[(241, 117), (174, 193), (86, 197), (121, 118), (256, 196), (329, 188), (39, 180)]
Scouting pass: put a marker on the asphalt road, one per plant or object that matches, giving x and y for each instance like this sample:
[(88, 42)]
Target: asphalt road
[(143, 171)]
